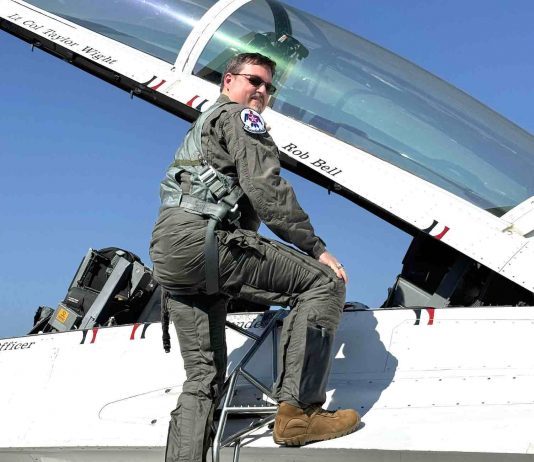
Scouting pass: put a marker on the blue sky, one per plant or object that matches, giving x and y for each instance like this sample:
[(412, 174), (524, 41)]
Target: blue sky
[(81, 162)]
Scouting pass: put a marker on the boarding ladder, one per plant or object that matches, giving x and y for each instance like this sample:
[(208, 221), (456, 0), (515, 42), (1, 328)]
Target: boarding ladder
[(230, 383)]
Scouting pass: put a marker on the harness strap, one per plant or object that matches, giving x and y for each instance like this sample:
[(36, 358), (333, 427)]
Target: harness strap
[(165, 321), (211, 256), (209, 177), (217, 213)]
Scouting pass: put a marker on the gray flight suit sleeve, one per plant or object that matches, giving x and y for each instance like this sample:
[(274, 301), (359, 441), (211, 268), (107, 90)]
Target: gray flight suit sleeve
[(258, 169)]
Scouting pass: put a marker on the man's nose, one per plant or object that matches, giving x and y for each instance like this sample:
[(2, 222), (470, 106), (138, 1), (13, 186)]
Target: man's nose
[(263, 87)]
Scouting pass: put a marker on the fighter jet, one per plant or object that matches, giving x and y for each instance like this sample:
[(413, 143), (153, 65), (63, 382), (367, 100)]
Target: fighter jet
[(441, 371)]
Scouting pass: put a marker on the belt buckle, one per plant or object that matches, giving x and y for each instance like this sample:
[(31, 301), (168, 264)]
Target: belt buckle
[(208, 176)]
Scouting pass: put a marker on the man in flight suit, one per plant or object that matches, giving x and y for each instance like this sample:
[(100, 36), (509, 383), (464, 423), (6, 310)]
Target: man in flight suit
[(225, 178)]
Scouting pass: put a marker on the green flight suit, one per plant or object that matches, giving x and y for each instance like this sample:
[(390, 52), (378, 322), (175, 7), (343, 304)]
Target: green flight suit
[(251, 267)]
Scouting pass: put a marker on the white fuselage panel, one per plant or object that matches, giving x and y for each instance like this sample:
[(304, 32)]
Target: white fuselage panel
[(431, 381)]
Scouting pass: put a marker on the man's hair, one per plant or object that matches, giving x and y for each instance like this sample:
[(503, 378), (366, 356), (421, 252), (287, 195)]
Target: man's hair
[(235, 64)]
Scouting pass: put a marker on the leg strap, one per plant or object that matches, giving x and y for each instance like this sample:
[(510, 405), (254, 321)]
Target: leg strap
[(211, 252)]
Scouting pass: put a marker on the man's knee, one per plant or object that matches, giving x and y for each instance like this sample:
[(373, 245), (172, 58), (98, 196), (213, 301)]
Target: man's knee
[(335, 289), (339, 290), (332, 301)]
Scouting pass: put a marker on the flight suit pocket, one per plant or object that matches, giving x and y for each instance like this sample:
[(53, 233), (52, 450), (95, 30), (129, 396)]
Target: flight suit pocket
[(244, 239), (317, 359)]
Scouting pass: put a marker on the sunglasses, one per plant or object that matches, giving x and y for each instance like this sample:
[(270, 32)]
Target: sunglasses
[(258, 82)]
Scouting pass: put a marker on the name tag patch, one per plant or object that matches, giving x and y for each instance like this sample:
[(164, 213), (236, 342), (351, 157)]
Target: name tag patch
[(252, 121)]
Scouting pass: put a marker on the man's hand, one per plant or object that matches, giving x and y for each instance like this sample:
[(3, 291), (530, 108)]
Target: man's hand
[(326, 258)]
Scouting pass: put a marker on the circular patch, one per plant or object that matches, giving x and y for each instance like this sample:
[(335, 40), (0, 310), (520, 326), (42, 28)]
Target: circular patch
[(252, 121)]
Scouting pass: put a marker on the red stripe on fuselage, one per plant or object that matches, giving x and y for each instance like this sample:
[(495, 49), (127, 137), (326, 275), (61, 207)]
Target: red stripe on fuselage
[(431, 312), (155, 87), (190, 102), (135, 326), (440, 235)]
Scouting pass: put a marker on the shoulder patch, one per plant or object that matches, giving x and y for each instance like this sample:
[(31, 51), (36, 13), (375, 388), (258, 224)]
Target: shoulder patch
[(253, 121)]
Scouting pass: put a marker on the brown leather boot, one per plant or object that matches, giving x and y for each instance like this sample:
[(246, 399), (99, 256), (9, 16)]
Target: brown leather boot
[(294, 426)]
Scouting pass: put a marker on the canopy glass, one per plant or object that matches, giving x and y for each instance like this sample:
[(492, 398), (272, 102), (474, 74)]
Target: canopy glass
[(372, 99), (157, 27)]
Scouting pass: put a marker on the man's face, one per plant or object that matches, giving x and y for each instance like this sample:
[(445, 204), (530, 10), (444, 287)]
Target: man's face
[(239, 89)]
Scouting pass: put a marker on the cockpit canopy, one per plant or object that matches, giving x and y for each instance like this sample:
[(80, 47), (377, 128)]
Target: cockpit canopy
[(342, 85)]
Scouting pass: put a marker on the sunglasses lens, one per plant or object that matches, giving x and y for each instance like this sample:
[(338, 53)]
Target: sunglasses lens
[(258, 82), (255, 80)]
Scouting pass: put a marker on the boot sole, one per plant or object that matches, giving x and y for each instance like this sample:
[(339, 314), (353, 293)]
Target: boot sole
[(301, 440)]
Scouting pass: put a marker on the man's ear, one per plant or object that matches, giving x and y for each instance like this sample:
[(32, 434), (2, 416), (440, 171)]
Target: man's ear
[(227, 79)]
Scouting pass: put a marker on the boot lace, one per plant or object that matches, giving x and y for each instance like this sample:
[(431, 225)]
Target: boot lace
[(318, 410)]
